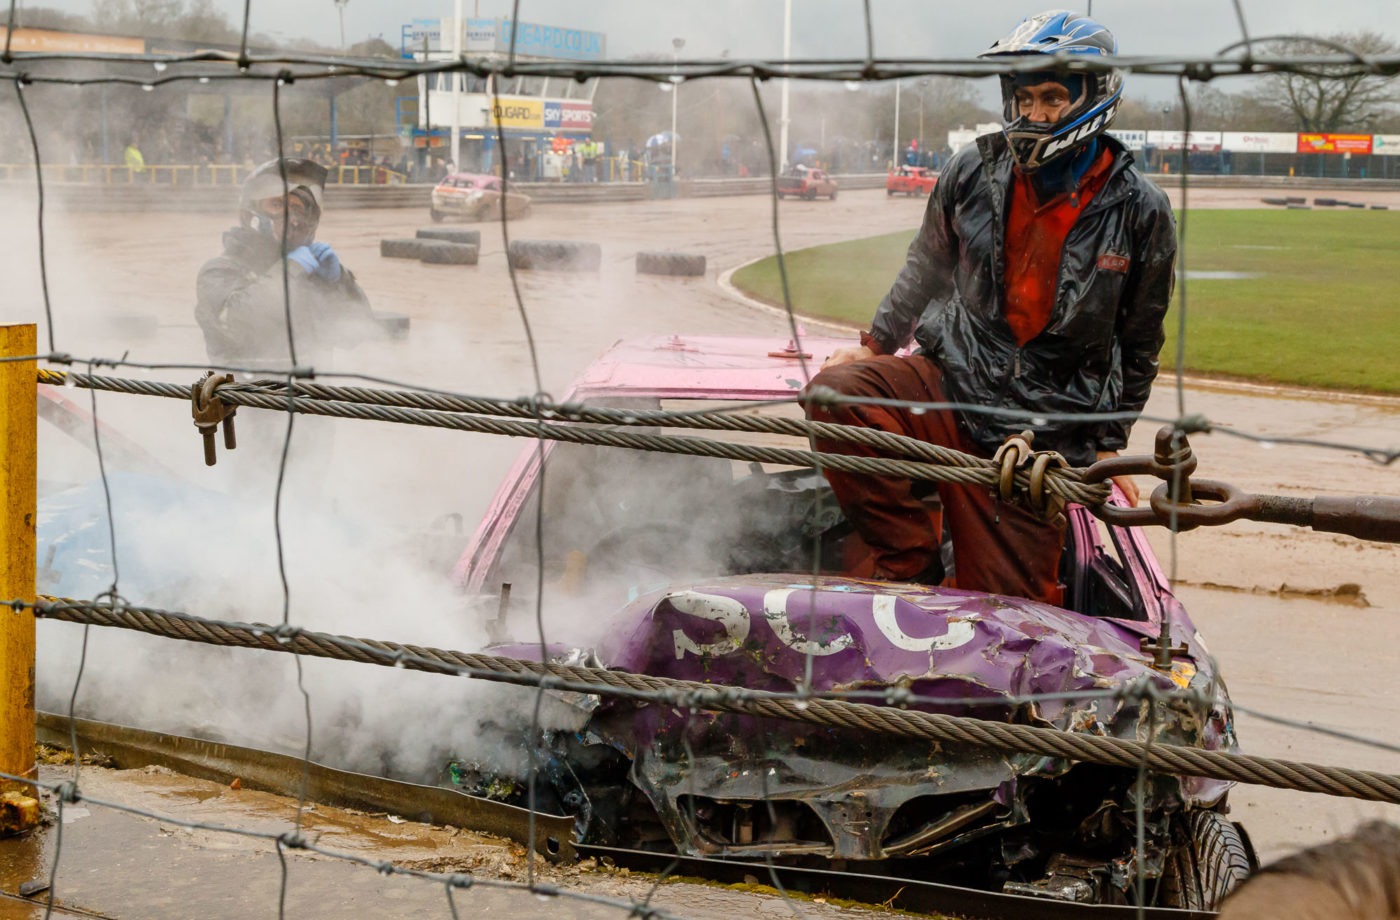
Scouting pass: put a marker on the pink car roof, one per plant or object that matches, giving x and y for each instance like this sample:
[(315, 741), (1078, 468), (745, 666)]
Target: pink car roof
[(706, 367)]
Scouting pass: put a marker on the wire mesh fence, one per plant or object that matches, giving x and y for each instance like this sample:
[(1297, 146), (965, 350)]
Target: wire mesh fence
[(427, 373)]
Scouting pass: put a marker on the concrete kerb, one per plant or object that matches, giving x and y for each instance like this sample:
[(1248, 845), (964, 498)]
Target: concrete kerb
[(1195, 381)]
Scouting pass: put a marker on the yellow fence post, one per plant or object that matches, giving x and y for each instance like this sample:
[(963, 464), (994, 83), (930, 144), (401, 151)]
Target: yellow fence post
[(18, 469)]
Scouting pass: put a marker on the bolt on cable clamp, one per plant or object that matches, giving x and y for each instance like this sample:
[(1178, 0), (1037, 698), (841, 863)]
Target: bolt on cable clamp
[(210, 412)]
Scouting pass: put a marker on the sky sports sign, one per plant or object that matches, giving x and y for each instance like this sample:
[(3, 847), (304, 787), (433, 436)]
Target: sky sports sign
[(568, 116), (534, 40)]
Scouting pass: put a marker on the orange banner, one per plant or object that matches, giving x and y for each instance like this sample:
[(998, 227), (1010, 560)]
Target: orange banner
[(50, 41), (1334, 143)]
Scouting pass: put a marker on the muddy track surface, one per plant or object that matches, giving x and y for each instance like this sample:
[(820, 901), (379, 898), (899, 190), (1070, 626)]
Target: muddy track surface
[(1302, 623)]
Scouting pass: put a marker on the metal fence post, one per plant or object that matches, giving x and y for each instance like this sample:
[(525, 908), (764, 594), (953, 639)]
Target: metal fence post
[(18, 469)]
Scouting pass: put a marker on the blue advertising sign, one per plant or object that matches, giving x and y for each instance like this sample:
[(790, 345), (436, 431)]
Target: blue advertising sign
[(534, 40)]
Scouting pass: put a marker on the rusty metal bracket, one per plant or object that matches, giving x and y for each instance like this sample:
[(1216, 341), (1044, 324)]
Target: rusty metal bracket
[(1042, 501), (210, 412), (1014, 452), (1172, 461)]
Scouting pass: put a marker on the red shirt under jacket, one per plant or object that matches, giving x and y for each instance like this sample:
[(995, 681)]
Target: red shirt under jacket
[(1035, 238)]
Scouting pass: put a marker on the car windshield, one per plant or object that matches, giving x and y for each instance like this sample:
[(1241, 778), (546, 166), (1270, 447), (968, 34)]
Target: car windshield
[(625, 521)]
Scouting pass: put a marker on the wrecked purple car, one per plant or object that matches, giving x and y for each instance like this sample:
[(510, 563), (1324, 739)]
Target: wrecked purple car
[(703, 569)]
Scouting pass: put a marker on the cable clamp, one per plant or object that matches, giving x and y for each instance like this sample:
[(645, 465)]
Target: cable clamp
[(210, 412)]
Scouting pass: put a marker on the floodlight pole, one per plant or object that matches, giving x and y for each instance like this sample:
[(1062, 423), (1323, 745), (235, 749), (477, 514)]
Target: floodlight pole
[(456, 145), (676, 45), (783, 114), (340, 8), (894, 160)]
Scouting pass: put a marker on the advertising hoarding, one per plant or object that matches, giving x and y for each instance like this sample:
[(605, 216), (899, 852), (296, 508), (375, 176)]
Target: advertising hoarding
[(518, 112), (1385, 144), (1334, 143), (568, 115), (429, 30), (486, 36), (1260, 142), (1133, 140), (1190, 140)]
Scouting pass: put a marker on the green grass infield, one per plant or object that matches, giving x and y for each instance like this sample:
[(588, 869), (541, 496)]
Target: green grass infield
[(1308, 298)]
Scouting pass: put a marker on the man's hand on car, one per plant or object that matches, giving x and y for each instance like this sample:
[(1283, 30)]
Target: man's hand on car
[(848, 356), (1125, 483)]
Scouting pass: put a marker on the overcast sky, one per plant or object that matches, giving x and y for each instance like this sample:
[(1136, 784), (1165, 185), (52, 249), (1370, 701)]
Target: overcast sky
[(831, 28)]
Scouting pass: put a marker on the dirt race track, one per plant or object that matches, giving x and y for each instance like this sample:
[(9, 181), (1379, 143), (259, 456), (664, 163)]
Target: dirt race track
[(1273, 603)]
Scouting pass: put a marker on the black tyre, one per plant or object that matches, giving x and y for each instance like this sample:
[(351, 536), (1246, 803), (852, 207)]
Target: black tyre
[(675, 264), (436, 215), (1295, 199), (1300, 207), (890, 192), (555, 255), (1278, 201), (1380, 207), (1325, 202), (833, 194), (781, 196), (811, 195), (1211, 857), (395, 325), (451, 235), (400, 249), (441, 252)]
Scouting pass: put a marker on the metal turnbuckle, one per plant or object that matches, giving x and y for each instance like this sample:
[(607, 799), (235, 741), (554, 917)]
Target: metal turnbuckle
[(210, 412)]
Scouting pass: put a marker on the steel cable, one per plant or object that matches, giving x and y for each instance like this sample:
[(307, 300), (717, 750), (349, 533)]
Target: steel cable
[(1047, 742), (942, 464)]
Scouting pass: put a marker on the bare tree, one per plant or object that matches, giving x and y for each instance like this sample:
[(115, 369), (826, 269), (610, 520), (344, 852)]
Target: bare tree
[(1329, 98)]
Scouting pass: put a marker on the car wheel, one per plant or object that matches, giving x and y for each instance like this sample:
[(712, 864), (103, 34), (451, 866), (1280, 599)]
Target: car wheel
[(436, 215), (1212, 857), (811, 196), (675, 264), (890, 192), (833, 194), (780, 196)]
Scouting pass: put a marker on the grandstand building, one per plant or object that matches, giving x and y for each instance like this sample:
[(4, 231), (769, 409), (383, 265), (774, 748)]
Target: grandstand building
[(536, 114)]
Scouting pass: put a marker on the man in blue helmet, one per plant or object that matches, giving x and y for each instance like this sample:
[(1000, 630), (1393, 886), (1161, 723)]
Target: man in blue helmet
[(1036, 288)]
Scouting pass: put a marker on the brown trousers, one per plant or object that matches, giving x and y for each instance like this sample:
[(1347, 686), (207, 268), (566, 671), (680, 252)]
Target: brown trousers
[(998, 547)]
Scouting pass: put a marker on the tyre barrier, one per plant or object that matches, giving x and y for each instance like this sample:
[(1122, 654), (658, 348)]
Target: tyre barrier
[(555, 255), (1355, 204), (1296, 199), (1380, 207), (395, 325), (451, 235), (441, 252), (674, 264), (1278, 201), (1300, 207), (399, 249), (1325, 202)]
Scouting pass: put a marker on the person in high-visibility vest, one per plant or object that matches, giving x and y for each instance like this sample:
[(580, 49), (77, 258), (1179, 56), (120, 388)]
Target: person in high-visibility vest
[(135, 162)]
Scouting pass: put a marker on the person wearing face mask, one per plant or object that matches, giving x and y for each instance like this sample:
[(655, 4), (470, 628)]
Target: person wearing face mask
[(1036, 287), (242, 303)]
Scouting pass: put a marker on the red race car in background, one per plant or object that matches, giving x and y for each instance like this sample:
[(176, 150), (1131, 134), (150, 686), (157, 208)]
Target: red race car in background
[(911, 180)]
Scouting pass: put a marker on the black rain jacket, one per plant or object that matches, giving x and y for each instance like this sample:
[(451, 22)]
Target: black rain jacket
[(1097, 353), (242, 310)]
